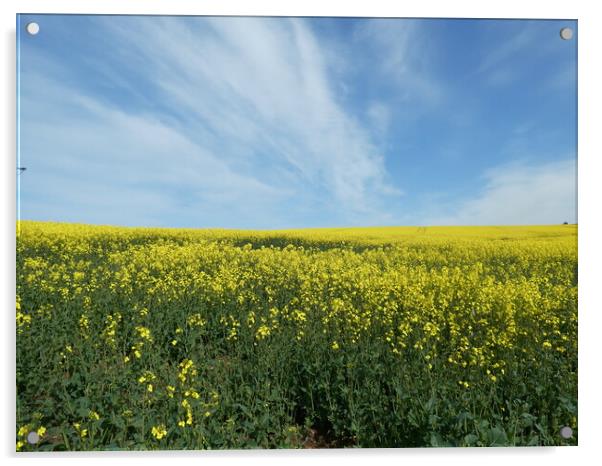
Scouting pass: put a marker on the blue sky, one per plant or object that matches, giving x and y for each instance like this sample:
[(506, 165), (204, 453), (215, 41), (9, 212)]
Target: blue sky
[(296, 122)]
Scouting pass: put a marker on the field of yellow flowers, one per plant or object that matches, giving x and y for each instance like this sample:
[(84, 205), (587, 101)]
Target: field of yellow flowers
[(140, 338)]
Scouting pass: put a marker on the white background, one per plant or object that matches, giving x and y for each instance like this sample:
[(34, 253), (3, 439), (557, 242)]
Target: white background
[(590, 129)]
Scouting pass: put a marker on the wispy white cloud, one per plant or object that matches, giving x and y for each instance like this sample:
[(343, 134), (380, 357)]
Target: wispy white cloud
[(263, 82), (248, 114), (515, 43), (520, 194), (92, 162), (403, 52), (380, 117)]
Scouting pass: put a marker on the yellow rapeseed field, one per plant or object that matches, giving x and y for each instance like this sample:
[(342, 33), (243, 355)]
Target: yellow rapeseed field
[(143, 338)]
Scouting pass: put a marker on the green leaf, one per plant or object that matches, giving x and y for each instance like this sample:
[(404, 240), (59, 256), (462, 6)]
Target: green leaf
[(470, 440), (497, 437)]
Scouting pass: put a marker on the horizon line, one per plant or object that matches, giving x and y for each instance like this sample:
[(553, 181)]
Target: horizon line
[(300, 228)]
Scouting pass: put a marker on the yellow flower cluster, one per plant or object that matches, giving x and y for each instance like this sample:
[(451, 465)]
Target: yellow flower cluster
[(24, 431), (23, 320), (82, 432), (187, 371), (146, 378), (188, 408), (110, 330), (144, 336), (195, 320), (84, 325), (232, 325), (144, 333), (159, 431), (262, 332)]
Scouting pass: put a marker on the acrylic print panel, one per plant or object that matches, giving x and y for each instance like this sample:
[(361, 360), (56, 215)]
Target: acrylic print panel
[(242, 232)]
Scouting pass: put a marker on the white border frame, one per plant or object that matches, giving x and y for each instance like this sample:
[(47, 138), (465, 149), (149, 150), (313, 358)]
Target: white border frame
[(590, 38)]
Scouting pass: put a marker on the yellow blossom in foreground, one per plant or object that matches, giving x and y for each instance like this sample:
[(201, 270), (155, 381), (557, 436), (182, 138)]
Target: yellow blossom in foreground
[(262, 332), (159, 431), (144, 333), (193, 393), (187, 370), (23, 320), (82, 432), (188, 408)]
